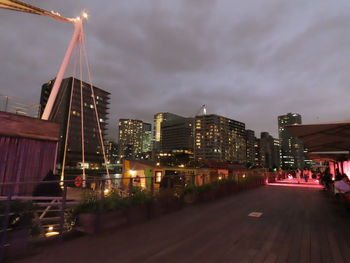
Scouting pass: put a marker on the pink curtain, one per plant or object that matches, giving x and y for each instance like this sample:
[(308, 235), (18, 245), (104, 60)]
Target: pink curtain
[(346, 166), (332, 168), (25, 160)]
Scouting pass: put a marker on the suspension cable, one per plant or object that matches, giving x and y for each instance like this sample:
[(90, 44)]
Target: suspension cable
[(69, 115), (95, 107), (82, 110)]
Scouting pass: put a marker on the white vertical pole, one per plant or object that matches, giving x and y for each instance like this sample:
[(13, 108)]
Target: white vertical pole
[(75, 38)]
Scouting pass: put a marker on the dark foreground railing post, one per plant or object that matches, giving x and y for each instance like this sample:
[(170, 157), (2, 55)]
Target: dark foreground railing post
[(100, 206), (152, 186), (5, 221), (63, 209), (130, 186)]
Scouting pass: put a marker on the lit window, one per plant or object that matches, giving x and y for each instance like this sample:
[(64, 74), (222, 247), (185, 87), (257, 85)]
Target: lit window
[(158, 177)]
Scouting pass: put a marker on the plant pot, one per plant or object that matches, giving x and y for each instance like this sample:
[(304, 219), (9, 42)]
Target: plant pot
[(113, 220), (91, 223)]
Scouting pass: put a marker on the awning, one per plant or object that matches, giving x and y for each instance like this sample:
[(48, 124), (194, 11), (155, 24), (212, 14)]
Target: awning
[(327, 137), (328, 156)]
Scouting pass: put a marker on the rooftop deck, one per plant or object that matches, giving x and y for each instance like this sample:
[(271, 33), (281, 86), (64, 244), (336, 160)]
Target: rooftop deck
[(298, 224)]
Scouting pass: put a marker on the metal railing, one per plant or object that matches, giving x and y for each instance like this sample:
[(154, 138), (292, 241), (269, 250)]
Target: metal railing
[(19, 106)]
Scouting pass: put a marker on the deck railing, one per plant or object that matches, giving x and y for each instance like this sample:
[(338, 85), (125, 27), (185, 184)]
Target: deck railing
[(19, 106)]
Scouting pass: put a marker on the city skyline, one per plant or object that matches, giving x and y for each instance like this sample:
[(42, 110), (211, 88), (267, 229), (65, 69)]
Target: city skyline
[(250, 64)]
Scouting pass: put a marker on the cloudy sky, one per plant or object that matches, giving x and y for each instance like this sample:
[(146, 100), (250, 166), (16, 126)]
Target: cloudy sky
[(248, 60)]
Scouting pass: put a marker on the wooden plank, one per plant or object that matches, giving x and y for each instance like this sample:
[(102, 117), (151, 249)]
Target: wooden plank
[(334, 247), (305, 244), (298, 225)]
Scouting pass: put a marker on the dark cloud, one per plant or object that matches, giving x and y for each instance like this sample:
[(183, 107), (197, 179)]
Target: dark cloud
[(249, 60)]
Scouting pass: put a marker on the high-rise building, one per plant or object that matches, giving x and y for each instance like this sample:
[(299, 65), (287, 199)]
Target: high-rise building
[(157, 132), (292, 150), (112, 152), (146, 137), (177, 134), (219, 138), (130, 137), (257, 156), (93, 153), (266, 149), (276, 160), (250, 142)]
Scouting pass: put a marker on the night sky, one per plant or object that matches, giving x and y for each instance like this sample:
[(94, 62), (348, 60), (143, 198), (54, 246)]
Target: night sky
[(248, 60)]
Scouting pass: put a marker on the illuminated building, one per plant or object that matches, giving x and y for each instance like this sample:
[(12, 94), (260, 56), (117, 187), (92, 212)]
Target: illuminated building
[(176, 141), (158, 119), (130, 137), (146, 137), (177, 134), (250, 142), (219, 138), (276, 160), (292, 150), (92, 146), (112, 152)]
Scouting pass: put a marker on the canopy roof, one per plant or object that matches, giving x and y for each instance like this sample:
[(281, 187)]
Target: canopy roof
[(327, 137), (328, 156), (23, 7)]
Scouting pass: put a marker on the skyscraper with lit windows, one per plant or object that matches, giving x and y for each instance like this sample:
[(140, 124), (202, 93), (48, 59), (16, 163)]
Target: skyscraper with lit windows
[(292, 150), (130, 137), (70, 94), (157, 131), (219, 138)]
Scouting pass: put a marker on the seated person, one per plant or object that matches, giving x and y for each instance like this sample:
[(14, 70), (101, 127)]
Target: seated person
[(342, 186)]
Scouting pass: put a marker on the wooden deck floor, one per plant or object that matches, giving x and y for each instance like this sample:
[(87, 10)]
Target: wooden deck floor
[(297, 225)]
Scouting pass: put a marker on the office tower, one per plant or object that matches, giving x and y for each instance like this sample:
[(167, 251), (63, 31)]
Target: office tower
[(60, 112), (276, 160), (130, 137), (292, 150), (177, 135), (112, 152), (257, 159), (266, 150), (219, 138), (146, 137), (250, 142), (157, 132)]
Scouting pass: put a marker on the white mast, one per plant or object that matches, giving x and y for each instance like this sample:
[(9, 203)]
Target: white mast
[(78, 24)]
